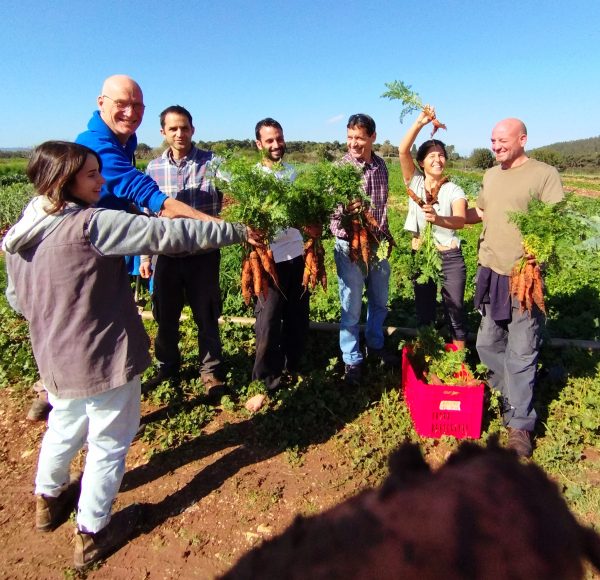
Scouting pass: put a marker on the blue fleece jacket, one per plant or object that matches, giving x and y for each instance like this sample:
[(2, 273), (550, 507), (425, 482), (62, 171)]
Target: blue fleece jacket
[(124, 183)]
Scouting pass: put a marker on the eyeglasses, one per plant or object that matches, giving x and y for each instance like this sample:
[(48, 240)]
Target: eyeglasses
[(124, 105)]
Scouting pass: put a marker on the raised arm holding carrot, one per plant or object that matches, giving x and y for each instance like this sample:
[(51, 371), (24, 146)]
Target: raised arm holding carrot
[(437, 201)]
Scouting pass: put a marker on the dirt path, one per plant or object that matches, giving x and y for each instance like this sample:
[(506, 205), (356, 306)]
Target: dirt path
[(202, 505)]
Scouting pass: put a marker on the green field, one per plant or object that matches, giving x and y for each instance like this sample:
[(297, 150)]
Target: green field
[(369, 422)]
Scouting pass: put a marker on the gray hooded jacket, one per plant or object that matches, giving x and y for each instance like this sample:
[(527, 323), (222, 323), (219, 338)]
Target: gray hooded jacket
[(68, 278)]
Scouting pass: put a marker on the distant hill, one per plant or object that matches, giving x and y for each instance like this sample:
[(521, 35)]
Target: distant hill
[(581, 155), (577, 148)]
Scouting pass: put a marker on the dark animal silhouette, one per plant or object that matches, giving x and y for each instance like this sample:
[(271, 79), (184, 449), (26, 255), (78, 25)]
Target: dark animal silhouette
[(483, 514)]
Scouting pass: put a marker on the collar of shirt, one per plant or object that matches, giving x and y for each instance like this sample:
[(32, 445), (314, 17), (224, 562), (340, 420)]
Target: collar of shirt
[(168, 155), (362, 164)]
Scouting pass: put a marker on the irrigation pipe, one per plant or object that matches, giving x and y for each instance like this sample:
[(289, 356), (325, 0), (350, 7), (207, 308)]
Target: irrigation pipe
[(389, 330)]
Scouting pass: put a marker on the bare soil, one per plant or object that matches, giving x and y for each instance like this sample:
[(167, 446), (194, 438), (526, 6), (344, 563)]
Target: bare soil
[(201, 505)]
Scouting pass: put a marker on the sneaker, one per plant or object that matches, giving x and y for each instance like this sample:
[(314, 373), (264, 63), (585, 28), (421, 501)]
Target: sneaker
[(215, 387), (520, 441), (353, 375), (385, 357), (89, 548), (164, 374), (50, 512), (39, 410)]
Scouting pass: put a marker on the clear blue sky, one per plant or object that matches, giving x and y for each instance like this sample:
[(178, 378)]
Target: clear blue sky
[(310, 64)]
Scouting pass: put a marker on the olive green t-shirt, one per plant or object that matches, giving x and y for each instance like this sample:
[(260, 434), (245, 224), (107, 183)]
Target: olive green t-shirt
[(506, 190)]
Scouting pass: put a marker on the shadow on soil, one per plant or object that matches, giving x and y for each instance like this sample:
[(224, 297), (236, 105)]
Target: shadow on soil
[(308, 412)]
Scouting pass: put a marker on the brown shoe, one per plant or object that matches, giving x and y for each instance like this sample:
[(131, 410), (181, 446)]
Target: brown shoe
[(89, 548), (51, 512), (520, 441), (39, 410), (215, 388)]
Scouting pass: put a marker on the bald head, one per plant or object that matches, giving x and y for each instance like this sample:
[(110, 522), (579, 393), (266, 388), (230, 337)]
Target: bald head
[(509, 137), (512, 124), (121, 105), (121, 83)]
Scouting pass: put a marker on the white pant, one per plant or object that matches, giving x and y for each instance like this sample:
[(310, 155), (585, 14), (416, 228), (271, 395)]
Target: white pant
[(108, 422)]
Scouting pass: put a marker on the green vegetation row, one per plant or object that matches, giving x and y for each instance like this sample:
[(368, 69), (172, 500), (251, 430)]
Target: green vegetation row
[(367, 423)]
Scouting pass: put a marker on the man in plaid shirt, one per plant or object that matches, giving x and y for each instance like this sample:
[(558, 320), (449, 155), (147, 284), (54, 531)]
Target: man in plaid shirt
[(187, 174), (352, 279)]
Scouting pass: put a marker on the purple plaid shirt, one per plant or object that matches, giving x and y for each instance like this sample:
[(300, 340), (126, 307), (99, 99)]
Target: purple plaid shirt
[(190, 180), (375, 185)]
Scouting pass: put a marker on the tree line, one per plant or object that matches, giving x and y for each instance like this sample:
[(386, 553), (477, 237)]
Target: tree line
[(582, 154)]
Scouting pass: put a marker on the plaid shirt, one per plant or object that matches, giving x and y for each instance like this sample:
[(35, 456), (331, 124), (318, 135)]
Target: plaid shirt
[(375, 185), (190, 180)]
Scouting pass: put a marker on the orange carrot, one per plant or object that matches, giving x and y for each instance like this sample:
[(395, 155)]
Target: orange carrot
[(538, 289), (415, 197), (355, 242), (308, 259), (268, 264), (436, 125), (526, 285), (314, 269), (247, 281), (364, 245), (256, 272)]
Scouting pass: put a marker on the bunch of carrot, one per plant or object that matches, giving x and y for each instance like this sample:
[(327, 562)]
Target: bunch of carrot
[(313, 197), (544, 227), (314, 264), (527, 287), (257, 266)]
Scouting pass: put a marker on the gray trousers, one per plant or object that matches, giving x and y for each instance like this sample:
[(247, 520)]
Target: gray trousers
[(510, 350)]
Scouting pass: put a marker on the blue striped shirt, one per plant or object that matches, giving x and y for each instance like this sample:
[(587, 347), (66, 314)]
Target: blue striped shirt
[(190, 180)]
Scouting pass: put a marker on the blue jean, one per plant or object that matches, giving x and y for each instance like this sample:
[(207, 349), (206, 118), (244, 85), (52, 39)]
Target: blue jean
[(352, 280), (510, 350), (108, 422)]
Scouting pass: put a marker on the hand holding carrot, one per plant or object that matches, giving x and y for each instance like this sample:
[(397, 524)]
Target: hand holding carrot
[(430, 213), (427, 115), (531, 259), (353, 207), (255, 237), (313, 230)]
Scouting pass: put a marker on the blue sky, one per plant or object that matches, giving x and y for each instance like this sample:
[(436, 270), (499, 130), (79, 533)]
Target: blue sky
[(310, 64)]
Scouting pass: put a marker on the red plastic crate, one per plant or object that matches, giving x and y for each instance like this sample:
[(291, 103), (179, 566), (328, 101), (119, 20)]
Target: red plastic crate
[(438, 410)]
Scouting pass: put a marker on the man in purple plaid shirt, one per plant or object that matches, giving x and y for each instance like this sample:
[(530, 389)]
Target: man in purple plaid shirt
[(187, 174), (351, 278)]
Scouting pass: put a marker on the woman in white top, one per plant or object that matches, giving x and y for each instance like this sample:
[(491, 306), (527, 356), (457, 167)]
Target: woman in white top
[(444, 205)]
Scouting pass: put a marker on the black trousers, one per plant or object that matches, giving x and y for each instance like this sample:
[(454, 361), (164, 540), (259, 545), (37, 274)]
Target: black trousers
[(281, 324), (453, 295), (195, 279)]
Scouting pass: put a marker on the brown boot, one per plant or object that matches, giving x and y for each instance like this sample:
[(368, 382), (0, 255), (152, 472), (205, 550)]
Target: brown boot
[(89, 548), (520, 441), (51, 512)]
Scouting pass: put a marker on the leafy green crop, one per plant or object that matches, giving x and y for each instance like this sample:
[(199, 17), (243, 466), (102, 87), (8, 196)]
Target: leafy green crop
[(317, 191), (427, 262), (430, 358), (257, 197), (15, 196), (397, 90), (547, 228)]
